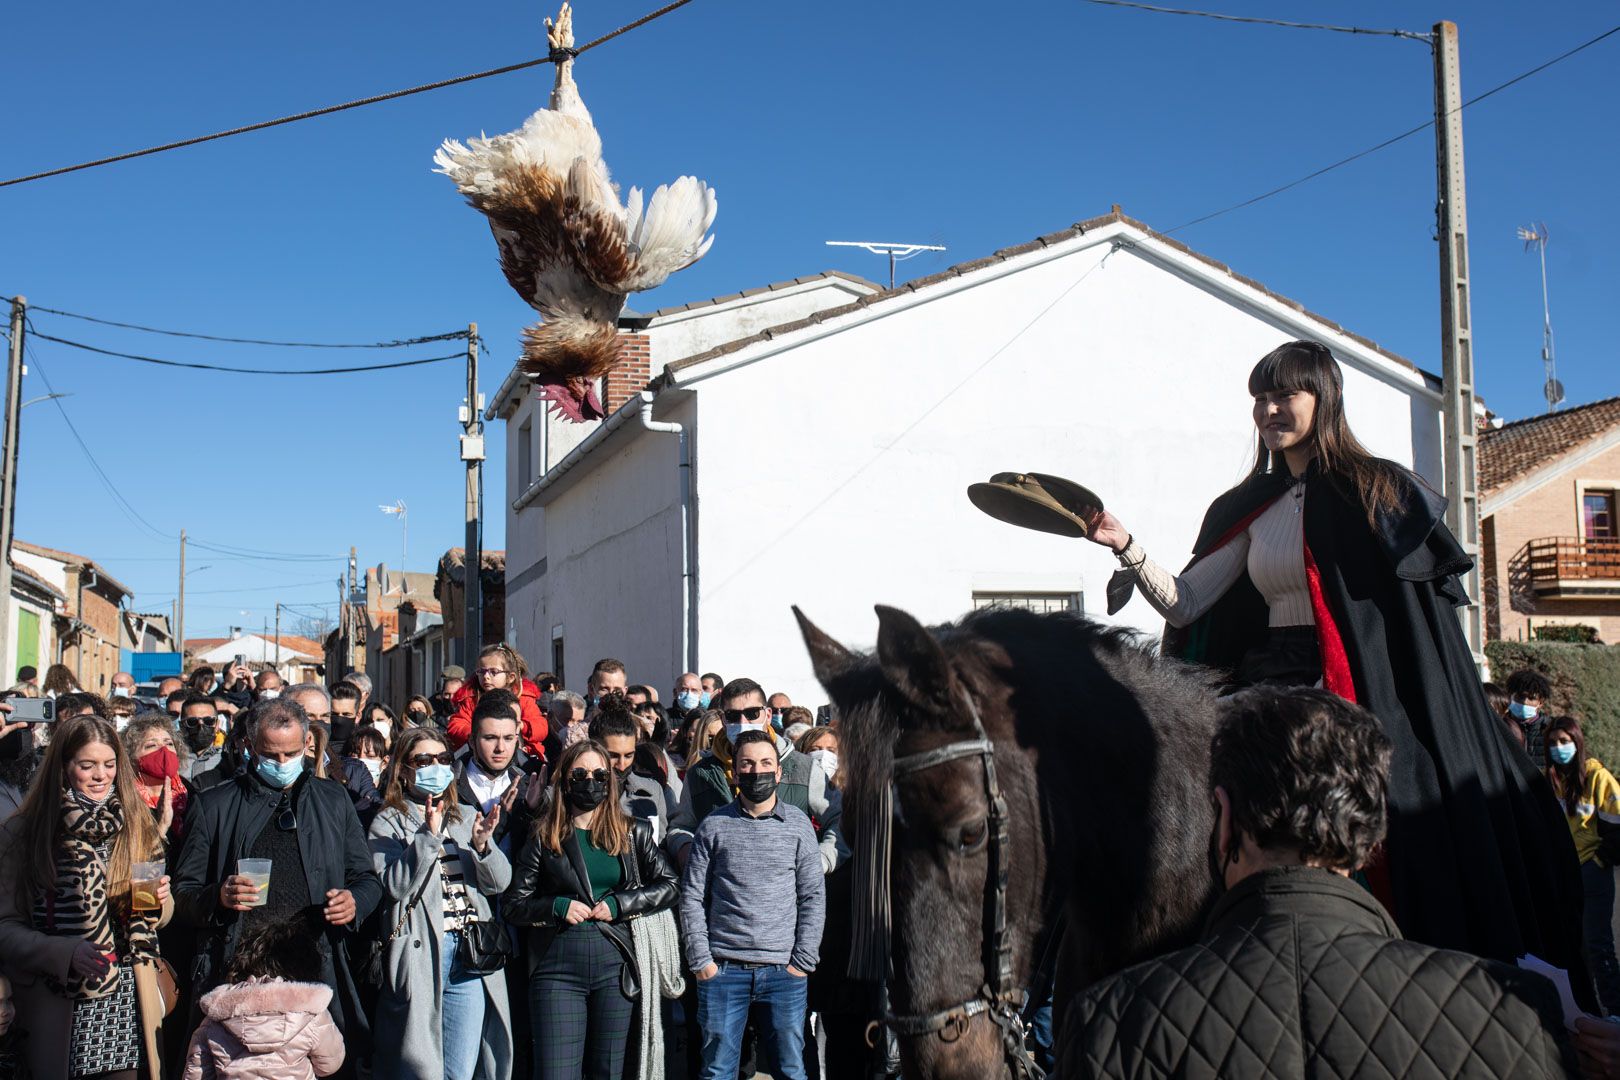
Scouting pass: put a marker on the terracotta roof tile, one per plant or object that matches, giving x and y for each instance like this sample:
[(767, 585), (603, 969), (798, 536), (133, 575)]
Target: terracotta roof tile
[(1514, 450), (70, 559)]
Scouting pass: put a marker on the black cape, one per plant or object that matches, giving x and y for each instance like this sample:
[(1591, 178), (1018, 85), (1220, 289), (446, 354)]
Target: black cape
[(1479, 852)]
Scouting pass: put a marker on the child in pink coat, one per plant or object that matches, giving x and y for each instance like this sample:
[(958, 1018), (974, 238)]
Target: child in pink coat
[(269, 1021)]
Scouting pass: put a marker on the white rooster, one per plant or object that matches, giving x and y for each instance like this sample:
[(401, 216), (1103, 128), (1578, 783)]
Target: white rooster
[(567, 245)]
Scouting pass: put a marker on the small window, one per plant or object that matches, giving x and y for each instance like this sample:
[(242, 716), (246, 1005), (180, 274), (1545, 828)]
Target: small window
[(525, 455), (1597, 516), (1039, 602)]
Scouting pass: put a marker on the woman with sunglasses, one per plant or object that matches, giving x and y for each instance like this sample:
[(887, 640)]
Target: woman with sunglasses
[(587, 871), (500, 668), (441, 871)]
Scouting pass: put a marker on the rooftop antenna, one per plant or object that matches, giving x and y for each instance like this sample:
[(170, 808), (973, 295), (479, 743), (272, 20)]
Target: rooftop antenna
[(404, 530), (895, 252), (1535, 236)]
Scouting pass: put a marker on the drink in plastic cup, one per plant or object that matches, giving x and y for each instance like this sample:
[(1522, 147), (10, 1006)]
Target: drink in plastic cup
[(143, 885), (257, 871)]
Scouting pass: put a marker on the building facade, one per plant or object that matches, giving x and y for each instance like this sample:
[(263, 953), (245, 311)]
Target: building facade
[(89, 627)]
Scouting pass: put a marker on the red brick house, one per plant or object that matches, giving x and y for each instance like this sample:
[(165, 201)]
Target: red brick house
[(1550, 535)]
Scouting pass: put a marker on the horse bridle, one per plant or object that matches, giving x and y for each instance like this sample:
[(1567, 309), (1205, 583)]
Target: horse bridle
[(999, 995)]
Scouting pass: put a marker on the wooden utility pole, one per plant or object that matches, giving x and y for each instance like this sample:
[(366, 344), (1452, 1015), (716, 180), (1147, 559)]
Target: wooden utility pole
[(8, 476), (180, 604), (472, 452), (1457, 343)]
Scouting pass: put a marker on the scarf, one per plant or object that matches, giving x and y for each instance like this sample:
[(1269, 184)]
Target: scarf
[(81, 903), (658, 962)]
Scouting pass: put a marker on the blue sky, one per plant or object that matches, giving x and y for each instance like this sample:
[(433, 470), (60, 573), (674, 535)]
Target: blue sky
[(938, 122)]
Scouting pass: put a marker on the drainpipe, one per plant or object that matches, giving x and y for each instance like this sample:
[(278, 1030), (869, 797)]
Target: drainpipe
[(78, 615), (689, 599)]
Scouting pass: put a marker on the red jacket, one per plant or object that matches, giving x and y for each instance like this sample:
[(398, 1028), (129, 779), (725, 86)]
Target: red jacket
[(533, 734)]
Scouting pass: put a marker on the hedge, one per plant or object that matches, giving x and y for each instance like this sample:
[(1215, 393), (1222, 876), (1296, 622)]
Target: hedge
[(1585, 681)]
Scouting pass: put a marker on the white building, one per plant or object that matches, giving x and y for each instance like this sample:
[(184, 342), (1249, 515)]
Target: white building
[(823, 460)]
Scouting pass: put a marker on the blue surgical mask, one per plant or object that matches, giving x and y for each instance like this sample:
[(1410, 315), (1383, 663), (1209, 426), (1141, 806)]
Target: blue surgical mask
[(704, 699), (735, 730), (1563, 753), (1521, 711), (280, 773), (433, 779), (688, 700)]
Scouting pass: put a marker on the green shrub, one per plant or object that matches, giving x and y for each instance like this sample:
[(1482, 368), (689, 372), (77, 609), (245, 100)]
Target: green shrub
[(1585, 681), (1576, 634)]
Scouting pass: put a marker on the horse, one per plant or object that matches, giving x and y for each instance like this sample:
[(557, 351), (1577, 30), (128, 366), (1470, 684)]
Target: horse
[(1025, 793)]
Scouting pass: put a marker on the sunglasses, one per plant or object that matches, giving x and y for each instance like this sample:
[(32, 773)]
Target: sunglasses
[(750, 714), (493, 671), (422, 761), (579, 776), (286, 820)]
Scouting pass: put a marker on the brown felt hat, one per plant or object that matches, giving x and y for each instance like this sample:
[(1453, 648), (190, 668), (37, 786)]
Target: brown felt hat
[(1038, 501)]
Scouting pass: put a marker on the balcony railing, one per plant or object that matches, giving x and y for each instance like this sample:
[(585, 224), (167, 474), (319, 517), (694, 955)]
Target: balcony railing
[(1568, 567)]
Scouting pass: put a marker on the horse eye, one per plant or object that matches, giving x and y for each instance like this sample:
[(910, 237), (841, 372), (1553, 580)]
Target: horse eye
[(972, 837)]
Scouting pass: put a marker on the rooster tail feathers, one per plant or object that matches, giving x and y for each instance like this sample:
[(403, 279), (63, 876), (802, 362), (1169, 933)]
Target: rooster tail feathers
[(671, 234)]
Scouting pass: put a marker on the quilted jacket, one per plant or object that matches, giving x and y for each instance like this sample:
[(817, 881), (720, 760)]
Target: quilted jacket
[(1302, 973)]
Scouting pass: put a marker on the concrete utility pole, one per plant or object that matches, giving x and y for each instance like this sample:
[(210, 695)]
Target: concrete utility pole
[(8, 476), (1457, 342), (348, 642), (278, 637), (472, 452), (180, 605)]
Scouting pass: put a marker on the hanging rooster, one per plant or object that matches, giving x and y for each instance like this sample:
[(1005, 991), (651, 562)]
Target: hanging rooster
[(567, 245)]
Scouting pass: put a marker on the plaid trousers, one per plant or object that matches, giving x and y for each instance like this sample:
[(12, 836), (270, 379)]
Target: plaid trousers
[(580, 1018)]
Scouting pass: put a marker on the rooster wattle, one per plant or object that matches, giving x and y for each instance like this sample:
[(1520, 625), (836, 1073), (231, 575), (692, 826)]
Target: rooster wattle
[(567, 245)]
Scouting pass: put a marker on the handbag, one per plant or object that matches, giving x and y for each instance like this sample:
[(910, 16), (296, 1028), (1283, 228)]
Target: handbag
[(483, 948), (374, 962), (168, 986)]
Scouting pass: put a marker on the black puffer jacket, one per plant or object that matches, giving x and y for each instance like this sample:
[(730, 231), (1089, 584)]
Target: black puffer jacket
[(648, 884), (1303, 974)]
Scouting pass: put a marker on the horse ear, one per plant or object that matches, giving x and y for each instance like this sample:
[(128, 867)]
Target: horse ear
[(912, 660), (827, 657)]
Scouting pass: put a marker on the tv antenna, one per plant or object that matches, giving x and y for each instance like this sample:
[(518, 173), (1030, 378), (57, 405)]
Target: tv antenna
[(1535, 236), (895, 252), (399, 510)]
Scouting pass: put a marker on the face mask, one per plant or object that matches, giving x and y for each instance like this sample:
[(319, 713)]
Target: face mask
[(121, 722), (433, 779), (1522, 712), (828, 760), (280, 774), (269, 695), (159, 764), (735, 730), (120, 691), (374, 767), (1563, 753), (756, 787), (385, 727), (583, 795), (198, 738), (687, 700), (704, 699)]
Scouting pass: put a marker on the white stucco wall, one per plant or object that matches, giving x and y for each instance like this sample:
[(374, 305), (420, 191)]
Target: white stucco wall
[(678, 334), (44, 641), (1131, 382), (46, 569)]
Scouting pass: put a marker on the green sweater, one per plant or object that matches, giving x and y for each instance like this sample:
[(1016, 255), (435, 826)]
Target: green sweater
[(604, 871)]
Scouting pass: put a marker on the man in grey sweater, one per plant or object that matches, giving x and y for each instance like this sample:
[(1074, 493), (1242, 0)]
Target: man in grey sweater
[(752, 906)]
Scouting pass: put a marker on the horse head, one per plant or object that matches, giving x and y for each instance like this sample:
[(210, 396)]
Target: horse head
[(948, 836)]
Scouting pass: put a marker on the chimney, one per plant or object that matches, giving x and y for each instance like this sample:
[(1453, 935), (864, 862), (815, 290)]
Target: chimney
[(631, 374)]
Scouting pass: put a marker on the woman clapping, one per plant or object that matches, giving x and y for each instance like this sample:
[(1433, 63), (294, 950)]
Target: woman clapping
[(80, 944)]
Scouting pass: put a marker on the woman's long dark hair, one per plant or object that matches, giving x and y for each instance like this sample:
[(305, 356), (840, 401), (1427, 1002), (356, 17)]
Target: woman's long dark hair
[(1568, 781), (1309, 366)]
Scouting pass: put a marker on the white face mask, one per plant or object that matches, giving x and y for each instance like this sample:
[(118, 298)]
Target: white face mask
[(735, 730), (120, 722), (120, 691), (386, 728), (828, 760), (269, 695), (373, 766)]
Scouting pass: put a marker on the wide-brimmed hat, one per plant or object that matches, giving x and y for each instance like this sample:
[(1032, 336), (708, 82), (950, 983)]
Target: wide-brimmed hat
[(1038, 501)]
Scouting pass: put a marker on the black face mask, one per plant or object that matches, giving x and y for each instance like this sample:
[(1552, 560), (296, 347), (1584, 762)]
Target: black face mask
[(198, 737), (584, 795), (756, 787), (342, 727)]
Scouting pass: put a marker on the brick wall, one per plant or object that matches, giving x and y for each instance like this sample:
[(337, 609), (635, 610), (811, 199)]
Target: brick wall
[(632, 373), (1550, 510)]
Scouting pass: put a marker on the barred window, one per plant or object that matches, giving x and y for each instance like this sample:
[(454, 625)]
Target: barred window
[(1040, 602)]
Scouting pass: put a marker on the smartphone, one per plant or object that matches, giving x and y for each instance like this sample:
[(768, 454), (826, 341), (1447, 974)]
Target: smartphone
[(241, 660), (32, 710)]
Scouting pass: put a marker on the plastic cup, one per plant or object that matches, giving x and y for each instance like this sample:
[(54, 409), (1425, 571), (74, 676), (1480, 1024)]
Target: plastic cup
[(143, 885), (258, 872)]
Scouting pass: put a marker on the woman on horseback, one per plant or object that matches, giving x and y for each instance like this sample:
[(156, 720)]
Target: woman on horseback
[(1327, 566)]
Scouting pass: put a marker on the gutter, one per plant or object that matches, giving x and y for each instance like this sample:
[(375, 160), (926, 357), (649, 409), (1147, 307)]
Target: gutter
[(637, 411)]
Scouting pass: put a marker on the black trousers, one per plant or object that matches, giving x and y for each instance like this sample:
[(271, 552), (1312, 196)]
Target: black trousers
[(1288, 656), (578, 1013)]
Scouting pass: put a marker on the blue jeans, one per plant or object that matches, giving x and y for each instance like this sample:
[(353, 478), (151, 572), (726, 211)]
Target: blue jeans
[(1598, 882), (723, 1003), (461, 1013)]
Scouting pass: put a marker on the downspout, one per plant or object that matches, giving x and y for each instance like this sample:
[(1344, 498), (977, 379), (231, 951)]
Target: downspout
[(689, 600), (78, 616)]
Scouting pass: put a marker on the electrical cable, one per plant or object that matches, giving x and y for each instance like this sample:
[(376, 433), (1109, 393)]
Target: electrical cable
[(456, 335), (374, 99), (241, 370), (1476, 99), (1412, 35)]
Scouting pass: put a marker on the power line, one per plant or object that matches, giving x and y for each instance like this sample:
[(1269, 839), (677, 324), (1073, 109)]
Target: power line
[(1498, 88), (254, 588), (455, 335), (1409, 34), (243, 370), (263, 124)]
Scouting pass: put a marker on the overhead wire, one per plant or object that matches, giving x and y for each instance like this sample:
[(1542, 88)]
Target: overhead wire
[(454, 335), (246, 370), (1413, 35), (329, 109)]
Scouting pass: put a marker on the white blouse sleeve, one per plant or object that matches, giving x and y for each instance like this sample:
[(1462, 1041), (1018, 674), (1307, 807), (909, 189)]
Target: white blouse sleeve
[(1182, 599)]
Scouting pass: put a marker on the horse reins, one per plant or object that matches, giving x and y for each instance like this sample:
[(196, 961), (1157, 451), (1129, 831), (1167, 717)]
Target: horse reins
[(1000, 996)]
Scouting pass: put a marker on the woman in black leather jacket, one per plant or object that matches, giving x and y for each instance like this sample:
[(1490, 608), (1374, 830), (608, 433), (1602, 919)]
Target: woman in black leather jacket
[(587, 871)]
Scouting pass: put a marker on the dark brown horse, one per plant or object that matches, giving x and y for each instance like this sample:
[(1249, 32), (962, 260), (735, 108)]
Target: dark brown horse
[(1021, 772)]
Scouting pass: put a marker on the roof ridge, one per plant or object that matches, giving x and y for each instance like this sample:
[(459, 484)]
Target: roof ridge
[(759, 290), (1525, 421)]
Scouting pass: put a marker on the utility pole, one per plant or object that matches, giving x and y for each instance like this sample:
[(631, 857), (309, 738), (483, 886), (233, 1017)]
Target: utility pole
[(8, 475), (278, 637), (180, 629), (1457, 342), (472, 452), (348, 644)]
